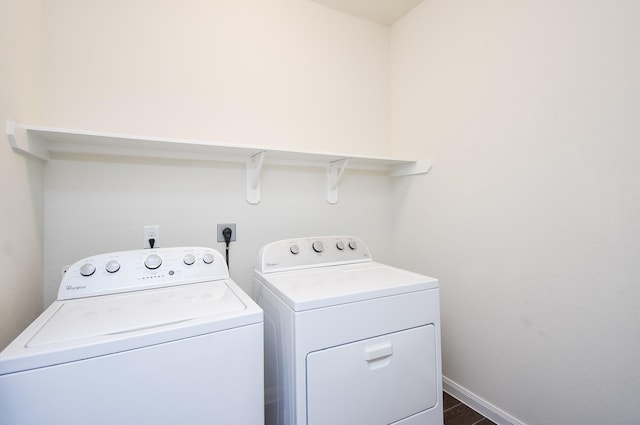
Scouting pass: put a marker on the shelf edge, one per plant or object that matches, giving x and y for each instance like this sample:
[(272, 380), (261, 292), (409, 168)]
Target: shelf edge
[(41, 142), (30, 144), (411, 169)]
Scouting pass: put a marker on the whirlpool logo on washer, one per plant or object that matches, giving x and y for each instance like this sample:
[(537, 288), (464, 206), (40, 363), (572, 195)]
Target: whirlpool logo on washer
[(75, 288)]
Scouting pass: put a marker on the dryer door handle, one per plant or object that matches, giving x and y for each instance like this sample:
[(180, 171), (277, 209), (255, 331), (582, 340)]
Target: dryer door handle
[(378, 351)]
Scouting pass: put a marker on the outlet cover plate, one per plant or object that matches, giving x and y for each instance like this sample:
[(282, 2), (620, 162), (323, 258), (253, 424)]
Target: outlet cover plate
[(222, 226), (151, 232)]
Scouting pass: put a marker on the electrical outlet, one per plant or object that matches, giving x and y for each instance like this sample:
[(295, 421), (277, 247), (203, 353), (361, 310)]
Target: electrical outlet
[(151, 232), (231, 226)]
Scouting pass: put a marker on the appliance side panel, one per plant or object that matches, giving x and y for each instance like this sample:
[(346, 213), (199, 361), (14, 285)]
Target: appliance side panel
[(279, 340)]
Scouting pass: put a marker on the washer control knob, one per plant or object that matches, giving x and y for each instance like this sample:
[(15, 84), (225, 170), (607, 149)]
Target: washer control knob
[(353, 245), (189, 259), (318, 246), (153, 261), (112, 266), (207, 258), (294, 249), (340, 245), (87, 269)]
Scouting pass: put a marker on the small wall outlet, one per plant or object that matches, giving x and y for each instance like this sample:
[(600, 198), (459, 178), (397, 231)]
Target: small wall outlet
[(151, 232), (222, 226)]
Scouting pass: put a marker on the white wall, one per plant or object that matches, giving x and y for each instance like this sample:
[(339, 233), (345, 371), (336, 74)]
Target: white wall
[(21, 193), (285, 73), (530, 217)]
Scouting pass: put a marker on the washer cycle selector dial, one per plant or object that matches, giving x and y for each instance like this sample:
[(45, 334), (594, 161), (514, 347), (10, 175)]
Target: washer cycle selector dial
[(87, 269), (112, 266), (317, 246), (189, 259), (153, 261), (207, 258)]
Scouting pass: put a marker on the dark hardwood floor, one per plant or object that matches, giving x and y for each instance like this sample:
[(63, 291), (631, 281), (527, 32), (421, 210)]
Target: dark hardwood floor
[(457, 413)]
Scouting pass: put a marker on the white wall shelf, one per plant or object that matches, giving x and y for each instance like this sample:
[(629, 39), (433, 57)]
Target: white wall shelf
[(41, 142)]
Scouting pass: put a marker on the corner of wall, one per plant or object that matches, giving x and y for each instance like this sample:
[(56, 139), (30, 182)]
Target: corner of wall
[(21, 194)]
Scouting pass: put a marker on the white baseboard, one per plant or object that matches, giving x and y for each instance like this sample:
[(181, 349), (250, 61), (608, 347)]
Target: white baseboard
[(478, 404)]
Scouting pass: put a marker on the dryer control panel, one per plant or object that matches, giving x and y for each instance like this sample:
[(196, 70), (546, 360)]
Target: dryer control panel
[(302, 253), (127, 271)]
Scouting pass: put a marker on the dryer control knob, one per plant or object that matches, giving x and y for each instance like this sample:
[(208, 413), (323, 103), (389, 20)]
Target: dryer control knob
[(340, 245), (189, 259), (207, 258), (87, 269), (153, 262), (318, 246), (112, 266), (353, 245), (294, 249)]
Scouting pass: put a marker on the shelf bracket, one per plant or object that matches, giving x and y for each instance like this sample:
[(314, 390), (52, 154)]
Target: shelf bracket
[(254, 170), (30, 144), (334, 174)]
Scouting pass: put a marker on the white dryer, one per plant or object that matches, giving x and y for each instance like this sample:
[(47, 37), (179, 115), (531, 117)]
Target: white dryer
[(347, 340), (159, 336)]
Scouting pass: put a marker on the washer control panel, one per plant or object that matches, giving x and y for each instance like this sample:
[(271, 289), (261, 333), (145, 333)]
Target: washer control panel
[(301, 253), (127, 271)]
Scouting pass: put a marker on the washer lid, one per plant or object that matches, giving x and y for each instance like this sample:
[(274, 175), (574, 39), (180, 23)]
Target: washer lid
[(120, 314), (89, 327), (326, 286)]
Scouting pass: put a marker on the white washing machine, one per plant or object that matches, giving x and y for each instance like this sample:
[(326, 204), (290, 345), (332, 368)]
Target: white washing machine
[(347, 340), (159, 336)]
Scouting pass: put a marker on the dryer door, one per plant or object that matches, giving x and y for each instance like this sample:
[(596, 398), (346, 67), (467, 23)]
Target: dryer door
[(376, 381)]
